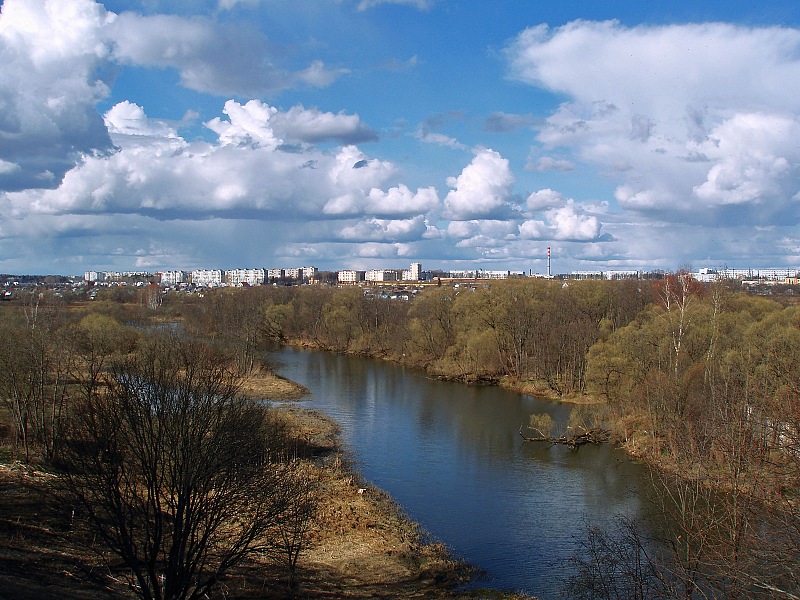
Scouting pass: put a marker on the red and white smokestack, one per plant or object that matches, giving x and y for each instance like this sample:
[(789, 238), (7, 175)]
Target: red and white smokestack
[(548, 261)]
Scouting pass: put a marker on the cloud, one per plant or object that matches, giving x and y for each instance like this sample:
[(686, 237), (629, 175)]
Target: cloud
[(7, 167), (244, 173), (426, 130), (129, 119), (382, 230), (483, 189), (548, 163), (500, 122), (420, 4), (545, 198), (248, 125), (211, 57), (665, 112), (318, 75), (397, 201), (399, 66), (49, 85), (754, 157), (230, 4), (483, 228), (439, 139), (563, 223), (312, 125)]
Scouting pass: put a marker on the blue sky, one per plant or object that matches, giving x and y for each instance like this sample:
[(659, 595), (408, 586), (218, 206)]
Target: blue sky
[(157, 135)]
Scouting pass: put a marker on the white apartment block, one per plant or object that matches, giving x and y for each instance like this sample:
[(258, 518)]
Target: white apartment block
[(621, 275), (416, 271), (173, 277), (782, 274), (412, 274), (378, 275), (207, 277), (494, 274), (464, 274), (292, 273), (93, 276), (238, 277), (586, 275), (276, 273), (350, 277), (308, 273)]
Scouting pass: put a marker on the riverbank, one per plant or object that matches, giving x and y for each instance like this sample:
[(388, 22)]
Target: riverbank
[(362, 545), (540, 389), (530, 387)]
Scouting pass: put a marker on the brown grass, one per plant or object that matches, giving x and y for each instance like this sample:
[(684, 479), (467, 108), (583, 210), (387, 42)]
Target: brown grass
[(266, 385), (363, 546)]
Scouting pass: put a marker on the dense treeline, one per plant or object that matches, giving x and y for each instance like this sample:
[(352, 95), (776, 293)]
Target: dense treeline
[(706, 384), (517, 329), (702, 381), (153, 449)]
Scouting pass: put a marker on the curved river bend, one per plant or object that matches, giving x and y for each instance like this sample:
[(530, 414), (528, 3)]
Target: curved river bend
[(450, 454)]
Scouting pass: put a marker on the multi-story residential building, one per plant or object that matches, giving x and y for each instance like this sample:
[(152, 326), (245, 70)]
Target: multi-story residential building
[(293, 273), (378, 275), (494, 274), (412, 274), (207, 277), (173, 277), (350, 277), (249, 277), (276, 274), (308, 273), (772, 274), (586, 275), (621, 275), (93, 276)]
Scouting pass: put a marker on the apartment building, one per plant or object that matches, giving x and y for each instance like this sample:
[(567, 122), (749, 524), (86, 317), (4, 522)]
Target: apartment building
[(173, 277), (412, 274), (238, 277), (380, 275), (207, 277), (350, 277)]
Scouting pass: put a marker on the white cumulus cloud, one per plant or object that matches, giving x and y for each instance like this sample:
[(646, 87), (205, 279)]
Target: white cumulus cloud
[(483, 189), (50, 51), (685, 117), (562, 223), (312, 125)]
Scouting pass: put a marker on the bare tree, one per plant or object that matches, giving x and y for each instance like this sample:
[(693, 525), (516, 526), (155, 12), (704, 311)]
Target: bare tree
[(301, 500), (180, 477)]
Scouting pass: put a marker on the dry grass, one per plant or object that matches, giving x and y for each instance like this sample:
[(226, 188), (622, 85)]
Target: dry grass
[(362, 547), (266, 385), (540, 389)]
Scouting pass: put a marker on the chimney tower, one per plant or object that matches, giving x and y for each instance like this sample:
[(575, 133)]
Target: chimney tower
[(548, 262)]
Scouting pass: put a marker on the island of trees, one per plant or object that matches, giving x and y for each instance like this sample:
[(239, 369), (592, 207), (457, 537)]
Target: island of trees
[(701, 382)]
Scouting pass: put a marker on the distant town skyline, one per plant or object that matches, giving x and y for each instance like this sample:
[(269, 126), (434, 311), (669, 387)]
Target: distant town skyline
[(368, 134)]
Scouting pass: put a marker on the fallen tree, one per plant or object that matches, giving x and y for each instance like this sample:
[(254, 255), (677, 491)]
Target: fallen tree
[(574, 436), (573, 440)]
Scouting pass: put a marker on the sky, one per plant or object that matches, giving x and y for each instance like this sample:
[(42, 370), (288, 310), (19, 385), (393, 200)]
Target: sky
[(362, 134)]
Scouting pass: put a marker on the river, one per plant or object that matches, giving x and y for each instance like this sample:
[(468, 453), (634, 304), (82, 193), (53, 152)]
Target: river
[(451, 455)]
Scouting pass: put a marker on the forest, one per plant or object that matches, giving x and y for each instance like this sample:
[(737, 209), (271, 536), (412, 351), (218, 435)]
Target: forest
[(701, 382)]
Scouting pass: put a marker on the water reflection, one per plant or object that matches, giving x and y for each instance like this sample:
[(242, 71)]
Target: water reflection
[(451, 455)]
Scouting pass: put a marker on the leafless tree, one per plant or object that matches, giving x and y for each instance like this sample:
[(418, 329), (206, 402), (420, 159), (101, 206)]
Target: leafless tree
[(180, 477)]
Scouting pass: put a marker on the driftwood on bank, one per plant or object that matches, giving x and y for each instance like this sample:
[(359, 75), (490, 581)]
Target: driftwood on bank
[(596, 435)]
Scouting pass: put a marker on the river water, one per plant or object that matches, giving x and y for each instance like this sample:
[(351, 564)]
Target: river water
[(451, 455)]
